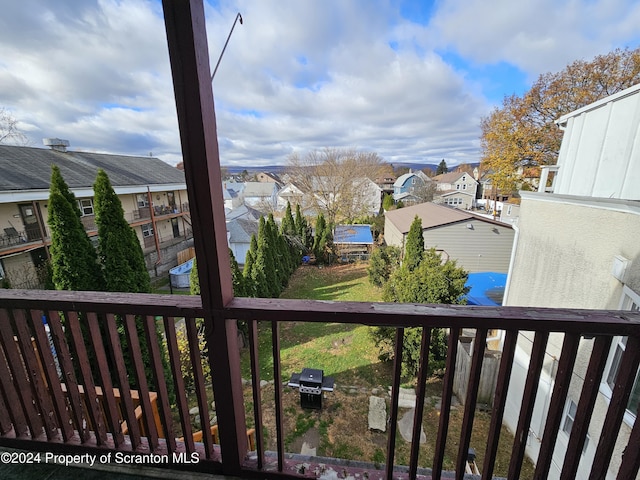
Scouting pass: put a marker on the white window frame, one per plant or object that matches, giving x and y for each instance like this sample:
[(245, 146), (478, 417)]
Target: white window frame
[(629, 300), (2, 274), (147, 230), (84, 208), (570, 415), (464, 186)]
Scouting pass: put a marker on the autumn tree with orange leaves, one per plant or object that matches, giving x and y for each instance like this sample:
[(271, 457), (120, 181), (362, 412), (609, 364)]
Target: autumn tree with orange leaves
[(522, 132)]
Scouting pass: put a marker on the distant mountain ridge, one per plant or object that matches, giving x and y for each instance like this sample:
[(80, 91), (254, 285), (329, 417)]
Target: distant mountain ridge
[(278, 169)]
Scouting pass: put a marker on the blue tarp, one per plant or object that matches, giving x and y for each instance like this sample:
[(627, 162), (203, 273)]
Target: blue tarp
[(358, 234), (487, 288)]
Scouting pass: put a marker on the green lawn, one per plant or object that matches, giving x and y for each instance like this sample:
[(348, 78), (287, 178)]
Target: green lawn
[(344, 351)]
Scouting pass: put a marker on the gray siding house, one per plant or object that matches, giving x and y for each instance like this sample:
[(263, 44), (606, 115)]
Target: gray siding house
[(476, 243)]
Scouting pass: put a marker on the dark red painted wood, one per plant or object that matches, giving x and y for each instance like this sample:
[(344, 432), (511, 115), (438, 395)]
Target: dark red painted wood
[(66, 362), (445, 404), (151, 337), (54, 387), (91, 401), (528, 402), (12, 400), (108, 398), (420, 394), (631, 455), (199, 384), (470, 402), (133, 341), (590, 389), (256, 391), (277, 382), (20, 376), (39, 388), (189, 57), (499, 402), (556, 406), (395, 394), (128, 410), (617, 406), (178, 382)]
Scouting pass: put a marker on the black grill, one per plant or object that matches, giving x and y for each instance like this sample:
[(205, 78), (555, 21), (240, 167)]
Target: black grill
[(311, 383)]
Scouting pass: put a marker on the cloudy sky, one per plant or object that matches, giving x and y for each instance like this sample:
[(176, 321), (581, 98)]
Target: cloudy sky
[(409, 80)]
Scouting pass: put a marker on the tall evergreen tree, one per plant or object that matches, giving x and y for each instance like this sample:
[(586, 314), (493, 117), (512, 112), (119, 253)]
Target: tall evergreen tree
[(288, 223), (74, 261), (58, 185), (237, 277), (123, 265), (414, 245), (247, 273), (119, 248), (442, 167), (318, 246)]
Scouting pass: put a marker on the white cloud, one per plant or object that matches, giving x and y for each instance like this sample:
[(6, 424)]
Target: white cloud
[(295, 76)]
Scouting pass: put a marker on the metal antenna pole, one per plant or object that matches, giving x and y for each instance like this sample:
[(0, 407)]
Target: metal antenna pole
[(238, 17)]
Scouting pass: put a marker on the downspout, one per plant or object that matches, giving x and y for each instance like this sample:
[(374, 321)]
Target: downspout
[(36, 208), (155, 229), (509, 273)]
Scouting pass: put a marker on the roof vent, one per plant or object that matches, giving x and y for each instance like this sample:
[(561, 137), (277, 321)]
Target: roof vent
[(56, 144)]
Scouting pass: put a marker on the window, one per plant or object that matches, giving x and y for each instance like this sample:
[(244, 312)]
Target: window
[(86, 206), (147, 230), (143, 200), (464, 186), (509, 209), (464, 178), (630, 301), (458, 186), (1, 270), (569, 419)]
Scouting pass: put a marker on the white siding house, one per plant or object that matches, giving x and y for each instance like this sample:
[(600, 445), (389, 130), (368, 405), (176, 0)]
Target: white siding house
[(578, 247)]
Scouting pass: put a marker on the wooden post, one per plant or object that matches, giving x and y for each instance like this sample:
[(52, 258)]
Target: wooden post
[(189, 55)]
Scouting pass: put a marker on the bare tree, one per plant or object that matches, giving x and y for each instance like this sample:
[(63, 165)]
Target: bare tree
[(425, 191), (336, 182), (9, 132)]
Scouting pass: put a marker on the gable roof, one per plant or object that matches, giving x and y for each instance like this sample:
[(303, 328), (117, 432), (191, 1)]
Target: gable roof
[(29, 168), (432, 216), (259, 189), (241, 229), (451, 177)]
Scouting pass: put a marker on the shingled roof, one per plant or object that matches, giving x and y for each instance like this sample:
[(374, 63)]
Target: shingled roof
[(29, 168)]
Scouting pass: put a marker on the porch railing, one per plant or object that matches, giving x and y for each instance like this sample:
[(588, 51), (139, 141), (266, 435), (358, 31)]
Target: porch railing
[(81, 409)]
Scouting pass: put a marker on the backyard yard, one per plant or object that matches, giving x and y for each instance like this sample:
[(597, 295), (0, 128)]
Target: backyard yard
[(348, 353)]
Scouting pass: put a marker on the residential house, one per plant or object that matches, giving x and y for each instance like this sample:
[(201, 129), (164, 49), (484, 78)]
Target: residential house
[(510, 212), (260, 195), (578, 247), (289, 194), (239, 232), (153, 196), (478, 244), (407, 187), (456, 189), (268, 177)]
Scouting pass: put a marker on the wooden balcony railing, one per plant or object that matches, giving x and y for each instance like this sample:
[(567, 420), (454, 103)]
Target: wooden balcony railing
[(72, 392)]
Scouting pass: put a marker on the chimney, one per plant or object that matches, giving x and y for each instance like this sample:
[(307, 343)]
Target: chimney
[(57, 144)]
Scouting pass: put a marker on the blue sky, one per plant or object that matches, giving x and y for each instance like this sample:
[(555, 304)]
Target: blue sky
[(409, 80)]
